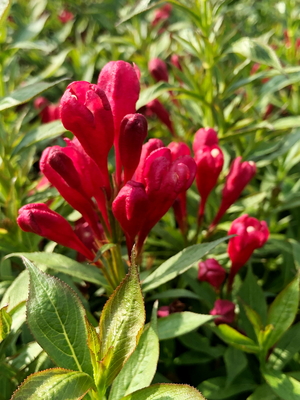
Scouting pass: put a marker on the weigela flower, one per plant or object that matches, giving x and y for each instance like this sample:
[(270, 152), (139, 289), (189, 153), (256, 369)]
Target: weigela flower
[(239, 176), (251, 234), (205, 137), (39, 219), (211, 271), (225, 310)]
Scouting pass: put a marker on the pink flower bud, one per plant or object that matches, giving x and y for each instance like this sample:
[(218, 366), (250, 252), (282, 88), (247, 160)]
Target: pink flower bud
[(163, 311), (39, 219), (65, 16), (147, 148), (130, 209), (205, 137), (121, 84), (179, 149), (211, 271), (209, 160), (158, 69), (225, 309), (133, 132), (162, 113), (175, 60), (251, 234), (86, 112), (239, 176), (162, 14)]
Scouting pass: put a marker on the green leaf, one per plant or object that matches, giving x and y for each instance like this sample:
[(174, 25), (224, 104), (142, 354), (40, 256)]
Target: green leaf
[(286, 387), (263, 392), (236, 339), (53, 384), (282, 313), (174, 293), (121, 324), (26, 93), (27, 355), (236, 362), (179, 263), (166, 391), (56, 319), (47, 131), (256, 51), (140, 368), (5, 323), (151, 93), (138, 8), (180, 323), (215, 389), (286, 348), (4, 9), (60, 263), (17, 292)]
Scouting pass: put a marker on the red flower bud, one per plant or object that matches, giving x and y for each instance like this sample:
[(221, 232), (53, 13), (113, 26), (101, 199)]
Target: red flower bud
[(179, 149), (133, 132), (209, 160), (130, 209), (251, 234), (158, 69), (205, 137), (163, 311), (162, 113), (121, 84), (239, 176), (48, 112), (211, 271), (39, 219), (175, 60), (162, 14), (85, 234), (147, 149), (86, 112), (225, 309), (65, 16)]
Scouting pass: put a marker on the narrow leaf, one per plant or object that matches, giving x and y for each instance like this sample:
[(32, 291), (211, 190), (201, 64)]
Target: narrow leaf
[(178, 264), (166, 391), (53, 384), (121, 323), (180, 323), (236, 339), (56, 319), (5, 323), (286, 387)]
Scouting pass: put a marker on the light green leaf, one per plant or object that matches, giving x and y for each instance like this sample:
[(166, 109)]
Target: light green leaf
[(180, 323), (53, 384), (179, 263), (56, 319), (60, 263), (47, 131), (121, 324), (5, 323), (138, 8), (282, 313), (286, 348), (286, 387), (27, 355), (151, 93), (140, 368), (166, 391), (17, 292), (31, 30), (256, 51), (4, 9), (26, 93), (236, 339)]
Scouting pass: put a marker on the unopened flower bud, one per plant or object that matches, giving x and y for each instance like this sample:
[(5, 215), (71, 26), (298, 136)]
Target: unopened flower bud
[(133, 132), (211, 271), (39, 219), (158, 69), (225, 310), (162, 113), (205, 137)]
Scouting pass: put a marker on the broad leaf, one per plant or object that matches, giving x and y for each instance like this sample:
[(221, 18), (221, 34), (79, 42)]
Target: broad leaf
[(53, 384), (286, 387), (165, 391), (61, 263), (235, 362), (121, 324), (5, 323), (216, 389), (56, 319), (263, 392), (140, 368), (180, 323), (178, 264), (236, 339), (26, 93), (256, 51), (282, 313)]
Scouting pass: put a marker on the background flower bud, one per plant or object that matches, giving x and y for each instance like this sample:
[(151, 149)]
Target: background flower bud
[(225, 309), (211, 271), (158, 69), (205, 137), (156, 107)]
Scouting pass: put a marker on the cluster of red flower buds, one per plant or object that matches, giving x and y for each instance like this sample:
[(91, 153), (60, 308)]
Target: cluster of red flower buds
[(147, 180)]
